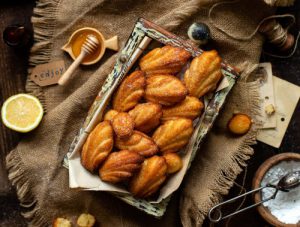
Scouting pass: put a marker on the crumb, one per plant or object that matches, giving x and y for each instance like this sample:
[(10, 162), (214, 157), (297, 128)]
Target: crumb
[(86, 220), (61, 222), (269, 109)]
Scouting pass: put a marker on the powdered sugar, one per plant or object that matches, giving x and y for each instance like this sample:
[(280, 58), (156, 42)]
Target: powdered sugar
[(286, 206)]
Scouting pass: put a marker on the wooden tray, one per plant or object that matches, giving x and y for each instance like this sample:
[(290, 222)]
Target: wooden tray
[(143, 33)]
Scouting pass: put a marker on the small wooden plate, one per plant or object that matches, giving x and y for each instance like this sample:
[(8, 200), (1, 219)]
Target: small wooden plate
[(259, 175)]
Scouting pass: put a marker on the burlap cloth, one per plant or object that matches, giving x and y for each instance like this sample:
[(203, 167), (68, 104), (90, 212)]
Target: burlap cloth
[(35, 166)]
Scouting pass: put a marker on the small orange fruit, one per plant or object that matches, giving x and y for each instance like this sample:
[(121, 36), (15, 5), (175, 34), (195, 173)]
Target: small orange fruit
[(239, 124)]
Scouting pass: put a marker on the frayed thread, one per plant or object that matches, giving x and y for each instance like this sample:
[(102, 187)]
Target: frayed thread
[(40, 52), (18, 177)]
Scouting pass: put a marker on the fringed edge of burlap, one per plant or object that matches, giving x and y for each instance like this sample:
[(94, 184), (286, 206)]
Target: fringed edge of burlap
[(43, 20), (228, 176), (44, 25), (18, 177)]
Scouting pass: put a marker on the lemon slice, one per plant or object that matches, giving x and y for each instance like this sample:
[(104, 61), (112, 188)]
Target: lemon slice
[(22, 112)]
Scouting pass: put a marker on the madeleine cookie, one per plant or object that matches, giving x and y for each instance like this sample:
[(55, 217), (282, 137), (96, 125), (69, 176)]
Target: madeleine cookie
[(97, 146), (203, 74), (165, 89), (130, 92), (174, 162), (138, 142), (190, 108), (120, 166), (165, 60), (150, 177), (123, 125), (146, 116), (109, 115), (173, 134)]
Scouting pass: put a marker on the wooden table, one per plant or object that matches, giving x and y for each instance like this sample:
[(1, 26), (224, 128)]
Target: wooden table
[(13, 66)]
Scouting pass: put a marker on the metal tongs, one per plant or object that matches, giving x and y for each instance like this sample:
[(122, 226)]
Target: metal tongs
[(287, 182)]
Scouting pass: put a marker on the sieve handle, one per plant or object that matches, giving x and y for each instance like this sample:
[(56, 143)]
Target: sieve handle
[(216, 210)]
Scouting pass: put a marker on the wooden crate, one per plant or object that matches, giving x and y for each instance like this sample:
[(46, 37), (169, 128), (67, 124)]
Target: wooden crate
[(143, 33)]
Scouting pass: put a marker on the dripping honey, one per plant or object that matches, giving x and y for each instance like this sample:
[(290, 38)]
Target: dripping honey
[(78, 42)]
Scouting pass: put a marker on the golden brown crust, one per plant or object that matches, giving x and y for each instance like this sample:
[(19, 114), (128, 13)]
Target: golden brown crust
[(138, 142), (123, 125), (189, 108), (130, 92), (146, 116), (109, 115), (173, 134), (149, 178), (120, 166), (174, 162), (165, 60), (165, 90), (203, 74), (97, 146)]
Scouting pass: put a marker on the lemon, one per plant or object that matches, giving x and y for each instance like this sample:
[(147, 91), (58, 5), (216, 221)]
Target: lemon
[(22, 112)]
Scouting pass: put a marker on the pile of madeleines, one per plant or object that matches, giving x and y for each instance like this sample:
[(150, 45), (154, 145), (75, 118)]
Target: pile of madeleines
[(151, 119)]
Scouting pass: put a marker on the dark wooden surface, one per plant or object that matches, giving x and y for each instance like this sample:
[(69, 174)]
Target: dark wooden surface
[(13, 65), (13, 68)]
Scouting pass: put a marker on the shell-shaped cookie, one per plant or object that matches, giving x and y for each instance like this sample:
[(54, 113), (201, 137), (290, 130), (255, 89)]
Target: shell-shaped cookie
[(120, 166), (123, 125), (203, 74), (165, 60), (165, 90), (130, 92), (174, 162), (97, 146), (109, 115), (150, 177), (146, 116), (173, 134), (138, 142), (190, 108)]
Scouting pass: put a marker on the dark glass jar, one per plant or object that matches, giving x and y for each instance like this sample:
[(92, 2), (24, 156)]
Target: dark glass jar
[(17, 36)]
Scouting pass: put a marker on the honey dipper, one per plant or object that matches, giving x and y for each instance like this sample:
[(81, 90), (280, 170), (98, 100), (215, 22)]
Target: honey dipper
[(88, 47)]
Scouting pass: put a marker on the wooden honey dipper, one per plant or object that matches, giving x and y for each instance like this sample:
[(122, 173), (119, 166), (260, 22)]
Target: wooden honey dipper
[(89, 46)]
